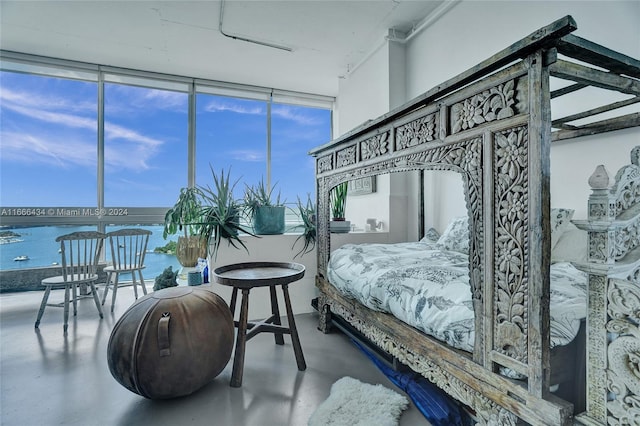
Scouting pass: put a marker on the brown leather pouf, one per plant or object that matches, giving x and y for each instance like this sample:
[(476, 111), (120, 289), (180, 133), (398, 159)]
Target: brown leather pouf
[(171, 342)]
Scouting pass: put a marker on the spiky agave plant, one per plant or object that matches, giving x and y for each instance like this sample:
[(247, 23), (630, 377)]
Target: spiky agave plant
[(307, 213), (221, 213), (259, 195)]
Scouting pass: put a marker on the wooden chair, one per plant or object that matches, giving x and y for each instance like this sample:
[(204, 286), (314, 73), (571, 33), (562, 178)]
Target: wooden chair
[(80, 252), (128, 248)]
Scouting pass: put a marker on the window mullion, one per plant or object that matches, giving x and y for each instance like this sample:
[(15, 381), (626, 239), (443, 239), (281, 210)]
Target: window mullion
[(269, 102), (191, 138), (100, 162)]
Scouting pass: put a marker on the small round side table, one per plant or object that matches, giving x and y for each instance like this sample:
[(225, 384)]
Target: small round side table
[(245, 276)]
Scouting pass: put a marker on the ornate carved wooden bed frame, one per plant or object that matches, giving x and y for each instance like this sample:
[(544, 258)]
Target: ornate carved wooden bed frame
[(492, 124)]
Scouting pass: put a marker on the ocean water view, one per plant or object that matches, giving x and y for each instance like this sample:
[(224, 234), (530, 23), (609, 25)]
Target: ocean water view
[(38, 245)]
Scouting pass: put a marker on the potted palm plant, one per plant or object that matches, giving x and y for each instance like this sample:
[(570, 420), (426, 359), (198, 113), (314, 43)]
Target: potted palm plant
[(184, 217), (338, 202), (220, 214), (265, 211)]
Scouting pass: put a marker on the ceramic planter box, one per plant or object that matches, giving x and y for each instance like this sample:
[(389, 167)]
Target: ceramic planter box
[(339, 226), (268, 220)]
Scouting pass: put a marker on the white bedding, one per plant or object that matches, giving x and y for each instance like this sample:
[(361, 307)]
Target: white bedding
[(428, 288)]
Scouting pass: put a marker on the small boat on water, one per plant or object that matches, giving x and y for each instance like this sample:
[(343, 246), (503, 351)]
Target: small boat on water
[(21, 258), (5, 240)]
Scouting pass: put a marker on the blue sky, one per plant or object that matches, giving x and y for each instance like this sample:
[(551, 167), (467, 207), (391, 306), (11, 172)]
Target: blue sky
[(48, 149)]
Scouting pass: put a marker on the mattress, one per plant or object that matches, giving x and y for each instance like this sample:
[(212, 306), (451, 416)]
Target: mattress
[(428, 288)]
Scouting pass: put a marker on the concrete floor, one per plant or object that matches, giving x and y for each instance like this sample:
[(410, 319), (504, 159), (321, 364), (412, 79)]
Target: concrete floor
[(47, 379)]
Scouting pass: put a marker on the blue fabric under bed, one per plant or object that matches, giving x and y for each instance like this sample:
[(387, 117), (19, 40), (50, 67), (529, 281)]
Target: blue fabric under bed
[(436, 406)]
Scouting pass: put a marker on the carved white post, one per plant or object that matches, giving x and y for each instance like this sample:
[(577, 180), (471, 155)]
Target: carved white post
[(602, 207), (613, 319)]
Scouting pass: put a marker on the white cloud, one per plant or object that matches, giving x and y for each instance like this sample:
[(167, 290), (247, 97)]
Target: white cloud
[(71, 152), (114, 131), (58, 118), (166, 99), (121, 99), (217, 106), (12, 99), (124, 148), (131, 186), (283, 111), (45, 149), (247, 155), (129, 157), (291, 113)]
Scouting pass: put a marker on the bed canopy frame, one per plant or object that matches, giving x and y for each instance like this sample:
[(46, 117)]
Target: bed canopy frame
[(492, 124)]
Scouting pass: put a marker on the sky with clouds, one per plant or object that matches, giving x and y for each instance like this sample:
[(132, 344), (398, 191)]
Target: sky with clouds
[(48, 142)]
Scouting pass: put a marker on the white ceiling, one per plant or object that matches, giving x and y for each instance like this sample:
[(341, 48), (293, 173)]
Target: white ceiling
[(327, 38)]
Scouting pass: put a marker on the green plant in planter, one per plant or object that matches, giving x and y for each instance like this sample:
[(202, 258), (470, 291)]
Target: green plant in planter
[(338, 200), (338, 203), (185, 217), (166, 279), (307, 214), (265, 211), (220, 213)]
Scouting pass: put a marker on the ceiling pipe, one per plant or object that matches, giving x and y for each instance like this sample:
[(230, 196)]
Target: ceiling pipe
[(429, 20), (402, 38), (235, 37)]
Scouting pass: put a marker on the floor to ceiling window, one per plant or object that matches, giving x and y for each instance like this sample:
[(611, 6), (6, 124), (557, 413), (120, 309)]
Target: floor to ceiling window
[(145, 143), (48, 141), (94, 147), (231, 135), (295, 130), (266, 137)]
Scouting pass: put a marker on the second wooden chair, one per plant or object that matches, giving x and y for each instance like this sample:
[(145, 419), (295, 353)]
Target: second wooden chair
[(128, 249)]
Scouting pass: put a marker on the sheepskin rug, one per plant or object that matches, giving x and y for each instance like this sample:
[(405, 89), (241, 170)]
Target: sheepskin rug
[(354, 403)]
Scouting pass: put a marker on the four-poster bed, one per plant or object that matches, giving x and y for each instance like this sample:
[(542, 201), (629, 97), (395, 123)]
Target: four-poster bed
[(492, 125)]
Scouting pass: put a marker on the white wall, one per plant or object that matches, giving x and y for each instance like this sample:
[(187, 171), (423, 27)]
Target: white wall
[(359, 100), (269, 248), (474, 30), (397, 74), (443, 205), (370, 206), (374, 87)]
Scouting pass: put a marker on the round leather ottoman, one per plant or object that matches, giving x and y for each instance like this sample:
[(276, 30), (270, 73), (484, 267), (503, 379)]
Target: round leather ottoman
[(171, 342)]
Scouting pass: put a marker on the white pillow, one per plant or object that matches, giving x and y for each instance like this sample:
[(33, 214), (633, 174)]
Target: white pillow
[(431, 236), (456, 236), (560, 219), (572, 246)]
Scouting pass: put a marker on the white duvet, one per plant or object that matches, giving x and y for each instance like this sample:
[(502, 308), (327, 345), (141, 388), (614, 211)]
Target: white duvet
[(429, 289)]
